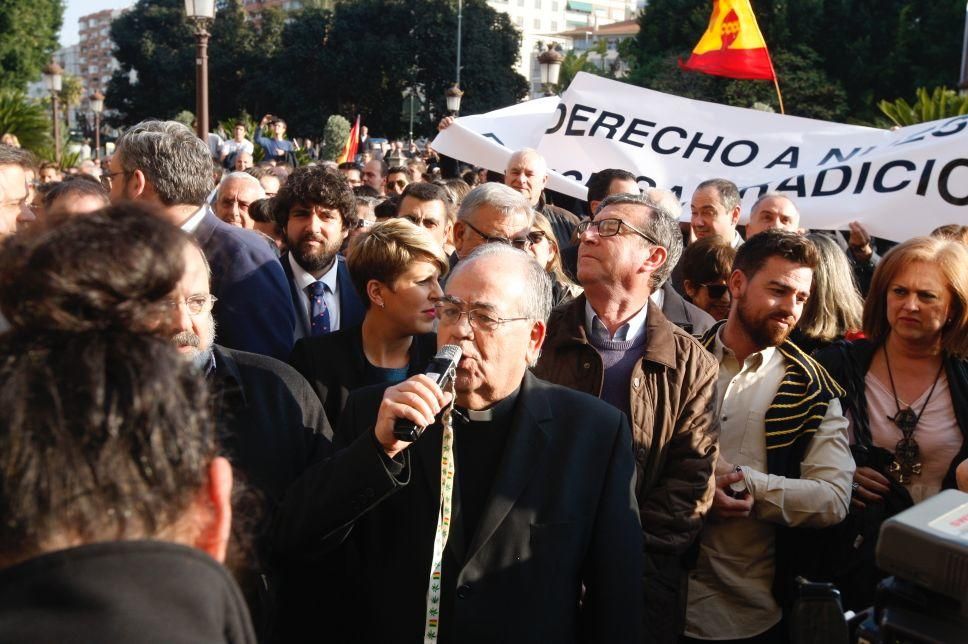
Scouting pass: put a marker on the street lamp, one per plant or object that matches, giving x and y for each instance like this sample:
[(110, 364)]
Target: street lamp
[(53, 76), (550, 64), (453, 94), (97, 106), (201, 12)]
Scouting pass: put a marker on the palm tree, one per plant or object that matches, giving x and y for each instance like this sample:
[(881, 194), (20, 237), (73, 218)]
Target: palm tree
[(941, 103)]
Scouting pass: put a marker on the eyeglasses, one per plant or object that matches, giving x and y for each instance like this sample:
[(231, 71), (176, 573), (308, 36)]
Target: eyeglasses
[(196, 304), (107, 178), (400, 183), (449, 312), (364, 223), (716, 291), (611, 227), (536, 237), (523, 243)]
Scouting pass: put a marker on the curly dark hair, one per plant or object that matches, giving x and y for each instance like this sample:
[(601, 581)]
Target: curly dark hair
[(111, 269), (316, 186), (96, 446)]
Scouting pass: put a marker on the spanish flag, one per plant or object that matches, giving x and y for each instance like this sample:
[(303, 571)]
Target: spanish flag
[(349, 148), (732, 45)]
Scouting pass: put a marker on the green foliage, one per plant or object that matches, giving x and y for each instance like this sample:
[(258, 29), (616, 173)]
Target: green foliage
[(28, 37), (27, 119), (570, 66), (355, 58), (72, 91), (186, 118), (940, 103), (832, 57), (334, 136)]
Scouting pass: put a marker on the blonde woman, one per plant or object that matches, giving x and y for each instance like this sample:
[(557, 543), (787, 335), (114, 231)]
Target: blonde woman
[(544, 247), (396, 267)]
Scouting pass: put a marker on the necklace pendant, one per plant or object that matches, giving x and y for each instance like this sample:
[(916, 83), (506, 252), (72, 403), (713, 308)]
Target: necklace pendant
[(906, 463), (906, 420)]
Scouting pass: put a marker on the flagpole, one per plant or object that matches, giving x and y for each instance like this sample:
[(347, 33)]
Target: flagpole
[(779, 96)]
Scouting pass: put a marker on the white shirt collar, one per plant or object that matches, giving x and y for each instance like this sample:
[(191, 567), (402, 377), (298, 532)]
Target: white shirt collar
[(753, 361), (191, 224), (303, 279), (628, 332), (658, 297)]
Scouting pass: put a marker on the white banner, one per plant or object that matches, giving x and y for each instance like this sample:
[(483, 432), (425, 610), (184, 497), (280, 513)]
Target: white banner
[(899, 184)]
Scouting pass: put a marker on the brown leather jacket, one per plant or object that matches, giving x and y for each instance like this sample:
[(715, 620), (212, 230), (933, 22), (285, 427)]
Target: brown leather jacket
[(675, 431)]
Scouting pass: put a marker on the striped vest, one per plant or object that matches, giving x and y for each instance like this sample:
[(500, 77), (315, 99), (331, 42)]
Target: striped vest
[(798, 407)]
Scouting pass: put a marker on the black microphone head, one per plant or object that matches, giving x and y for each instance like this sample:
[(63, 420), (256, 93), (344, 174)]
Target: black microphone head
[(449, 352)]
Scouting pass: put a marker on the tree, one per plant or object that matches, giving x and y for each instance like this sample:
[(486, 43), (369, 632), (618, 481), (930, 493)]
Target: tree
[(334, 136), (832, 57), (570, 66), (28, 38), (27, 119)]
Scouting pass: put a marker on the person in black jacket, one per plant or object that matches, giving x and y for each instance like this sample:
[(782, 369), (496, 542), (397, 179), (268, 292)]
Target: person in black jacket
[(116, 505), (395, 266), (512, 519), (907, 395)]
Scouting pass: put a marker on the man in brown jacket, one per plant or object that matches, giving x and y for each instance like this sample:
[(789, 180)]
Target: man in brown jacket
[(613, 342)]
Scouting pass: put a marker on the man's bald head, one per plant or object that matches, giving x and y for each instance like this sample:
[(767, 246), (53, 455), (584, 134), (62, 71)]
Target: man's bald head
[(527, 172)]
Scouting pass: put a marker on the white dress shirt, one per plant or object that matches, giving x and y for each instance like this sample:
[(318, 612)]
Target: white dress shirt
[(628, 332), (191, 224)]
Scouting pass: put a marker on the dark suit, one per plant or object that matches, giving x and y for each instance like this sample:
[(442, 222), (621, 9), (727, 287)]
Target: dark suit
[(253, 312), (335, 365), (351, 309), (562, 514)]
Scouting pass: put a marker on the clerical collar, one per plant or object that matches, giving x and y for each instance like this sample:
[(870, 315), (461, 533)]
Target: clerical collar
[(498, 412)]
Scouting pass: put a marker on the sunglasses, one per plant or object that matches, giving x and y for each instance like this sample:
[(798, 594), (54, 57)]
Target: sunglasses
[(400, 183), (716, 291)]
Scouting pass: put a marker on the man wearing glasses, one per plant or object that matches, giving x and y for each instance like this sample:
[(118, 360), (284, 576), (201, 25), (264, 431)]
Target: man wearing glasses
[(516, 503), (614, 342), (492, 213)]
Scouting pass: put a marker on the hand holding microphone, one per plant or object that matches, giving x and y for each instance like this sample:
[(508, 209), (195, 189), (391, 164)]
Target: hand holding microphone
[(412, 405)]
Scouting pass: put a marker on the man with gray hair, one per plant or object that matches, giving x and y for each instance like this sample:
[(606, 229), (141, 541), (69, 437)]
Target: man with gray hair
[(165, 164), (492, 213), (516, 502), (614, 343), (527, 172), (236, 192)]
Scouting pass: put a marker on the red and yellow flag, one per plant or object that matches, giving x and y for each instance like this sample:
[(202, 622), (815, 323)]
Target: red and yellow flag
[(732, 45), (349, 148)]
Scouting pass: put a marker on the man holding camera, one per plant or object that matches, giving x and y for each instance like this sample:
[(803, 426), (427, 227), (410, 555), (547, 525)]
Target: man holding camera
[(511, 519)]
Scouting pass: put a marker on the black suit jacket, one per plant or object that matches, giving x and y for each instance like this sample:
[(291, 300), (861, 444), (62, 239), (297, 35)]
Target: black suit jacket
[(254, 312), (335, 365), (351, 310), (562, 515)]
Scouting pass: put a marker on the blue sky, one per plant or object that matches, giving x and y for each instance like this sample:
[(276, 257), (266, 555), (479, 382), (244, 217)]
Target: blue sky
[(77, 8)]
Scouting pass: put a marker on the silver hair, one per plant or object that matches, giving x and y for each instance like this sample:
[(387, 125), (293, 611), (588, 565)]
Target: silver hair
[(507, 200), (660, 225), (835, 306), (173, 159), (773, 195), (244, 177), (537, 292), (666, 199)]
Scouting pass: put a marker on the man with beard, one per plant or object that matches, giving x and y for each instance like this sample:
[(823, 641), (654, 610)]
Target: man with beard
[(784, 468), (316, 209)]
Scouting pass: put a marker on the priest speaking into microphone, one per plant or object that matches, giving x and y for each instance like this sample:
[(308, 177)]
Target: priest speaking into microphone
[(512, 518)]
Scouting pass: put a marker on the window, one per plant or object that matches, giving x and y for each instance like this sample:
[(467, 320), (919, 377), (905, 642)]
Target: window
[(537, 24)]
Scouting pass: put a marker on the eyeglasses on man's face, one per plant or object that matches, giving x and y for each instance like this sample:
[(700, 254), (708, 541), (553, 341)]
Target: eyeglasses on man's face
[(522, 243), (450, 312), (716, 291), (196, 304), (611, 227)]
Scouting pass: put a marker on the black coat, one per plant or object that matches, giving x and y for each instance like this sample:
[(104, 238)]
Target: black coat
[(119, 592), (335, 365), (254, 310), (562, 515)]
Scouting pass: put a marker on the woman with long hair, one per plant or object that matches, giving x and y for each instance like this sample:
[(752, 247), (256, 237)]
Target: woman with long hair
[(544, 246), (396, 267), (834, 309)]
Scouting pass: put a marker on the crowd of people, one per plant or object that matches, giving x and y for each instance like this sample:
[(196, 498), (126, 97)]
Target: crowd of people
[(656, 424)]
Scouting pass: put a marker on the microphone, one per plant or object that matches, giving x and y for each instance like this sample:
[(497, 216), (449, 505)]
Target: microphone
[(441, 370)]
